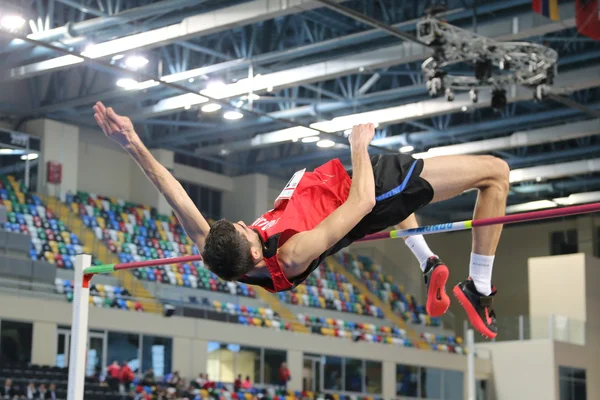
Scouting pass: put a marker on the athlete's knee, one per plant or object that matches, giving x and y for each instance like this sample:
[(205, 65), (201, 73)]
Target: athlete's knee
[(497, 173)]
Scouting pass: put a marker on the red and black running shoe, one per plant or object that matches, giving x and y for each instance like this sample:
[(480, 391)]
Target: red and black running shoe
[(478, 308), (436, 275)]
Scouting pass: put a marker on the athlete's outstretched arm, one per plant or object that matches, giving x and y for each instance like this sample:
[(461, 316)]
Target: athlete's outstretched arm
[(304, 247), (120, 129)]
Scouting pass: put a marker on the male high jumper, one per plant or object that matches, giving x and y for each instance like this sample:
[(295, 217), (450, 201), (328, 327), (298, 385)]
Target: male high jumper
[(318, 213)]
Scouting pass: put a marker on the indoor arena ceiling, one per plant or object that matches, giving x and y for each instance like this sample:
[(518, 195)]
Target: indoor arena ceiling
[(278, 69)]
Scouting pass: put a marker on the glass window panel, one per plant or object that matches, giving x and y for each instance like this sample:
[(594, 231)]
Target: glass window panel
[(16, 339), (353, 375), (333, 373), (157, 353), (273, 361), (579, 390), (124, 347), (431, 383), (407, 380), (482, 390), (221, 361), (373, 377), (453, 385), (61, 350), (247, 363), (565, 390)]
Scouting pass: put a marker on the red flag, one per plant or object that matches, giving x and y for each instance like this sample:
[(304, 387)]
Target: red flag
[(587, 18)]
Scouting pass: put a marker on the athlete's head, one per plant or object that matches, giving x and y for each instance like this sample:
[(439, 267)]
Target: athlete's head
[(231, 250)]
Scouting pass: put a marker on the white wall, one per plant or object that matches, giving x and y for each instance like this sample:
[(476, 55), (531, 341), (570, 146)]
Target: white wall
[(523, 370), (104, 170), (248, 199)]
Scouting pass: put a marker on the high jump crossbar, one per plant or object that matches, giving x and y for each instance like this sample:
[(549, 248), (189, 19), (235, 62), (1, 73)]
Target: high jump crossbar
[(84, 272)]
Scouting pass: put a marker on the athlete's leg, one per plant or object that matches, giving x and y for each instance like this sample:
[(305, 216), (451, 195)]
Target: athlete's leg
[(417, 244), (435, 272), (450, 176)]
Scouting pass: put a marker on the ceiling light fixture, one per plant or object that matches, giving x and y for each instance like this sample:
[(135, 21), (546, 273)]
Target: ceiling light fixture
[(12, 22), (406, 149), (212, 107), (30, 156), (233, 115), (136, 62), (311, 139), (325, 143)]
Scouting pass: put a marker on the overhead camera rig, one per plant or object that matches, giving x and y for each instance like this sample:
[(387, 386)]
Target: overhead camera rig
[(496, 65)]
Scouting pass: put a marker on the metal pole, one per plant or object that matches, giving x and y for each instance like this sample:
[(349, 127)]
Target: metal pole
[(27, 165), (521, 328), (471, 389), (79, 328)]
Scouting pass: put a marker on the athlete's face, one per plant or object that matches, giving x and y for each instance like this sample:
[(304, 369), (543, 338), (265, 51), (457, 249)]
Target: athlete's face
[(249, 234)]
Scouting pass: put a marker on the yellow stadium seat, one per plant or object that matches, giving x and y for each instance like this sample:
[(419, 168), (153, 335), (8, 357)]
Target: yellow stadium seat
[(257, 321), (216, 304), (247, 396), (459, 340), (330, 322), (336, 396), (262, 311), (204, 393), (91, 300), (120, 237), (179, 281), (101, 222), (100, 288), (310, 395), (359, 309), (269, 323), (130, 305), (322, 302), (8, 205)]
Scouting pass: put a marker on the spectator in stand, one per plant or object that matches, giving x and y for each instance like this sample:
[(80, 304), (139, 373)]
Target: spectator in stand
[(9, 391), (200, 380), (174, 379), (247, 384), (52, 392), (125, 378), (148, 379), (237, 385), (43, 392), (284, 375), (208, 384), (113, 375), (31, 391)]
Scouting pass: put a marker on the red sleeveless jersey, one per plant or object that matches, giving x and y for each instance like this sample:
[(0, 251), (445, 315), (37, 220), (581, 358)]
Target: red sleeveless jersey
[(307, 199)]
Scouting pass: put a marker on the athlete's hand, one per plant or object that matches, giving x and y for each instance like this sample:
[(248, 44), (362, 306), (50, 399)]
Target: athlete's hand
[(115, 127), (361, 135)]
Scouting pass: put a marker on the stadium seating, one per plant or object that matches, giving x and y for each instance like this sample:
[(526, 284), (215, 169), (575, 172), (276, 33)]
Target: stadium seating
[(135, 232), (329, 290), (377, 334), (23, 374), (402, 303), (103, 296), (50, 239)]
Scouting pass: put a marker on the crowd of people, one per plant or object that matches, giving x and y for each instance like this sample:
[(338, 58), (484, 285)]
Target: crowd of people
[(31, 391)]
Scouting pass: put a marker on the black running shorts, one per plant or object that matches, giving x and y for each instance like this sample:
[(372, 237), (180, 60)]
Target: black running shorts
[(399, 191)]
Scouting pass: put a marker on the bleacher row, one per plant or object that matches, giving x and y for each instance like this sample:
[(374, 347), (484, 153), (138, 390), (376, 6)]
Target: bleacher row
[(135, 232), (50, 239), (22, 374)]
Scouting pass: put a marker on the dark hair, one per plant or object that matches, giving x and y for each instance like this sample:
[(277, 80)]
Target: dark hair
[(227, 252)]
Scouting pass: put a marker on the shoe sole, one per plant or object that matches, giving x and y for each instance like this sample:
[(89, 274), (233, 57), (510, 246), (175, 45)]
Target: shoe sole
[(472, 314), (436, 307)]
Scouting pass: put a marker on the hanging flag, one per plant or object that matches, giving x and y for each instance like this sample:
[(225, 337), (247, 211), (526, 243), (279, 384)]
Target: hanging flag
[(587, 18), (548, 8)]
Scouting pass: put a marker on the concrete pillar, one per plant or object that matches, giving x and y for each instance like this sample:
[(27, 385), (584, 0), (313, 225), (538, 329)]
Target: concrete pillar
[(585, 235), (59, 143), (183, 357), (143, 191), (247, 200), (389, 380), (199, 357), (43, 348), (295, 365)]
